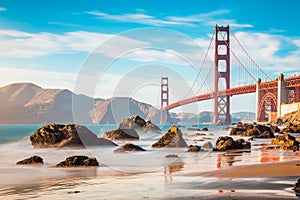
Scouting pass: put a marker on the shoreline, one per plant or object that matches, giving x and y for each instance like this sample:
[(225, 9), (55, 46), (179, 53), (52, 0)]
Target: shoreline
[(273, 169)]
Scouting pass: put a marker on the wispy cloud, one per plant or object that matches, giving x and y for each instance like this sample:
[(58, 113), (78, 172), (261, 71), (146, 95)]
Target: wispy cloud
[(265, 50), (190, 20), (139, 18), (20, 44), (2, 9), (63, 24)]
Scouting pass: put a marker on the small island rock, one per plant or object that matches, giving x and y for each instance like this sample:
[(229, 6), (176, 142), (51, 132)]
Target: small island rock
[(173, 138), (71, 135), (256, 131), (78, 161), (225, 143), (121, 134), (136, 122), (31, 160), (287, 142), (128, 147), (194, 148)]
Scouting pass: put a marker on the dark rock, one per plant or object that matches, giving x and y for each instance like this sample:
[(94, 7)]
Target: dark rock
[(71, 135), (291, 128), (207, 145), (193, 129), (128, 147), (173, 138), (205, 129), (225, 143), (256, 131), (297, 188), (138, 123), (78, 161), (31, 160), (121, 134), (194, 148), (171, 156), (287, 142), (151, 127)]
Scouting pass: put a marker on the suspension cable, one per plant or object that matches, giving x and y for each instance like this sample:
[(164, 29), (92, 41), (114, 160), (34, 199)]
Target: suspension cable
[(260, 69)]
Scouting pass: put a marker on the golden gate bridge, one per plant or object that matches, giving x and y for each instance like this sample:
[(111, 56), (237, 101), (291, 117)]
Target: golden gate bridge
[(270, 94)]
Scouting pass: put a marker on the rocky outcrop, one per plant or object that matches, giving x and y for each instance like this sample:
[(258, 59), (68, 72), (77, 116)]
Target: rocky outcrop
[(194, 148), (71, 135), (171, 156), (128, 147), (225, 143), (291, 128), (286, 142), (207, 145), (256, 131), (297, 188), (173, 138), (121, 134), (293, 117), (136, 122), (78, 161), (31, 160)]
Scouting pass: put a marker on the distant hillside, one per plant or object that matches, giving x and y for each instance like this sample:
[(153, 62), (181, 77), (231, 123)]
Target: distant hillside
[(207, 117), (23, 103)]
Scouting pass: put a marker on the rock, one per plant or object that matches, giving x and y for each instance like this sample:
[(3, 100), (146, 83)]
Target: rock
[(297, 188), (138, 123), (205, 129), (121, 134), (151, 127), (207, 145), (31, 160), (291, 128), (128, 147), (193, 129), (173, 138), (225, 143), (287, 142), (71, 135), (293, 117), (78, 161), (171, 156), (194, 148), (256, 131)]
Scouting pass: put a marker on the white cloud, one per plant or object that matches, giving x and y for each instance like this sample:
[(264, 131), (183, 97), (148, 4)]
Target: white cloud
[(210, 18), (265, 50), (20, 44), (139, 18), (2, 9), (46, 79)]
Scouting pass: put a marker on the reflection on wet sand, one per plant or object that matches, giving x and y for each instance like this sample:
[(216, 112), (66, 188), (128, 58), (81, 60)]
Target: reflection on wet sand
[(269, 156), (176, 166), (64, 178), (227, 159)]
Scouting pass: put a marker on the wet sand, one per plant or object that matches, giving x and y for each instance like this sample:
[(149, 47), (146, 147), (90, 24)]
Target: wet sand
[(279, 169)]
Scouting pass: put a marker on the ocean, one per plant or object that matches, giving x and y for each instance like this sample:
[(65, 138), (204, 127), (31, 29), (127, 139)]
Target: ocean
[(143, 175)]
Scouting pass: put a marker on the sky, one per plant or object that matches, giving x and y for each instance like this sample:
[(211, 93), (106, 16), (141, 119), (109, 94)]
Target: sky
[(122, 48)]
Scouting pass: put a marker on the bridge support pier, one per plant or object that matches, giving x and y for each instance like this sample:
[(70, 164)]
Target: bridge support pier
[(282, 94), (257, 100), (164, 100), (221, 71)]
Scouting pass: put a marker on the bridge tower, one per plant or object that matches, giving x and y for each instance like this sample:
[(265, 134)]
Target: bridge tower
[(221, 71), (164, 99)]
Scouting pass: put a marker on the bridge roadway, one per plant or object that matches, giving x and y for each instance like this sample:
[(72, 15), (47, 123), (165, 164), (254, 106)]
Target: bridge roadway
[(290, 82)]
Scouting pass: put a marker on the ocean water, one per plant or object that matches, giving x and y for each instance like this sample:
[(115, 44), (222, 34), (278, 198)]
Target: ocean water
[(143, 175)]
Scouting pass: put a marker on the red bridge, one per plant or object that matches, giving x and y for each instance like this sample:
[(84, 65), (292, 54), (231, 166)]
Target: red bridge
[(270, 95)]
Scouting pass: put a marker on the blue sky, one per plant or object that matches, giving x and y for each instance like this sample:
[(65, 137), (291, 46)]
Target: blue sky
[(48, 42)]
